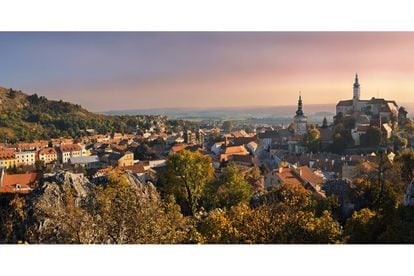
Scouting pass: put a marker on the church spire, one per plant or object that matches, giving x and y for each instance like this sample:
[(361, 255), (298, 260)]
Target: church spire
[(299, 112), (356, 83)]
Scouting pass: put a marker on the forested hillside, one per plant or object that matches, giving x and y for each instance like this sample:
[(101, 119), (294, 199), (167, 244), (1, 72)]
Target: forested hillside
[(28, 117)]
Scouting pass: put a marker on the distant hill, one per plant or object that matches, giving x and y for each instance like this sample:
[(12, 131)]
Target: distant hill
[(316, 113), (26, 117)]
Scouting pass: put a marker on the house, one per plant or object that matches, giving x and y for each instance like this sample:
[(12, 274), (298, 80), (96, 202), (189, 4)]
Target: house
[(47, 155), (25, 157), (217, 147), (36, 145), (244, 160), (141, 170), (233, 150), (7, 158), (295, 176), (121, 159), (88, 162), (17, 183), (252, 147), (177, 148), (67, 151), (267, 138)]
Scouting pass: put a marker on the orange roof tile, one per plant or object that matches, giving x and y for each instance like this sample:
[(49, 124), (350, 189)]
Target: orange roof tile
[(18, 183)]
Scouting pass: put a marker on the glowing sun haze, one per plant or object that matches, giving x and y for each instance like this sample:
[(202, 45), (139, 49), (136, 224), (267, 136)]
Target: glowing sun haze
[(109, 71)]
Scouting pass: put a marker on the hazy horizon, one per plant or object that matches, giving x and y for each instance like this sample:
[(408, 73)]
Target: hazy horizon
[(138, 70)]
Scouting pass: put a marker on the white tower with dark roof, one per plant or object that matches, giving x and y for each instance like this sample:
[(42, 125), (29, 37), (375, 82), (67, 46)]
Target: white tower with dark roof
[(300, 120), (357, 92)]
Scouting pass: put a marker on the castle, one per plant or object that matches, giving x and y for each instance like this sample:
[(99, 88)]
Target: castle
[(380, 110)]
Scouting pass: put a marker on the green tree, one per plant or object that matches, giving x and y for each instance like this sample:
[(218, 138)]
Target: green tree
[(231, 188), (186, 177)]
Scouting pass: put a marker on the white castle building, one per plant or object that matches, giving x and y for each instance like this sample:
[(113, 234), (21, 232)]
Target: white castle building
[(376, 109)]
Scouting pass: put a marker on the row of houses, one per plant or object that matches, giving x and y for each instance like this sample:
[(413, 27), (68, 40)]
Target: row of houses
[(10, 157)]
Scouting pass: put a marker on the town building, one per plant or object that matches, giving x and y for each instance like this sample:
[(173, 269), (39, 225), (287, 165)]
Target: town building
[(25, 157), (7, 158), (17, 183), (121, 159), (88, 162), (303, 176), (67, 151), (47, 155)]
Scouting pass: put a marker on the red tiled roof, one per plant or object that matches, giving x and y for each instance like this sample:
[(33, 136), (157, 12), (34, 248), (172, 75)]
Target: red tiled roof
[(47, 151), (236, 150), (138, 168), (287, 176), (309, 176), (70, 147), (7, 154), (26, 183), (179, 147)]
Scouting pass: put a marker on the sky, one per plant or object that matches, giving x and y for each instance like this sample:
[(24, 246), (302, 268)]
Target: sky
[(136, 70)]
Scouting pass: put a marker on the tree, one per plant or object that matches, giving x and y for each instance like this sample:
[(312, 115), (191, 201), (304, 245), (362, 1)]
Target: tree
[(227, 126), (360, 228), (127, 213), (339, 144), (39, 164), (231, 189), (312, 139), (372, 138), (406, 162), (117, 212), (186, 177)]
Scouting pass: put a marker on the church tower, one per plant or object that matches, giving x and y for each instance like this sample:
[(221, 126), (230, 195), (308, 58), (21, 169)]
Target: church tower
[(357, 93), (300, 120)]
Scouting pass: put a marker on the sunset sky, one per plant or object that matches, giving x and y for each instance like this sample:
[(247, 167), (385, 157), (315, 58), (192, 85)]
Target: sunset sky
[(109, 71)]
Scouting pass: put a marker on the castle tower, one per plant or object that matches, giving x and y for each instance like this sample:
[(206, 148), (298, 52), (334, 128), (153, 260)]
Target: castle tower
[(300, 120), (357, 93)]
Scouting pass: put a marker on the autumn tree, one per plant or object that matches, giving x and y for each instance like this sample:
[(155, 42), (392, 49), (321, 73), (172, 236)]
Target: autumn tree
[(406, 162), (360, 227), (57, 217), (12, 217), (186, 177), (127, 213), (312, 140)]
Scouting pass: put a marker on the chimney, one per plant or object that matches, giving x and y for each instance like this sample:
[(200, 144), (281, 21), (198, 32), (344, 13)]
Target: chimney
[(300, 172), (280, 169)]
